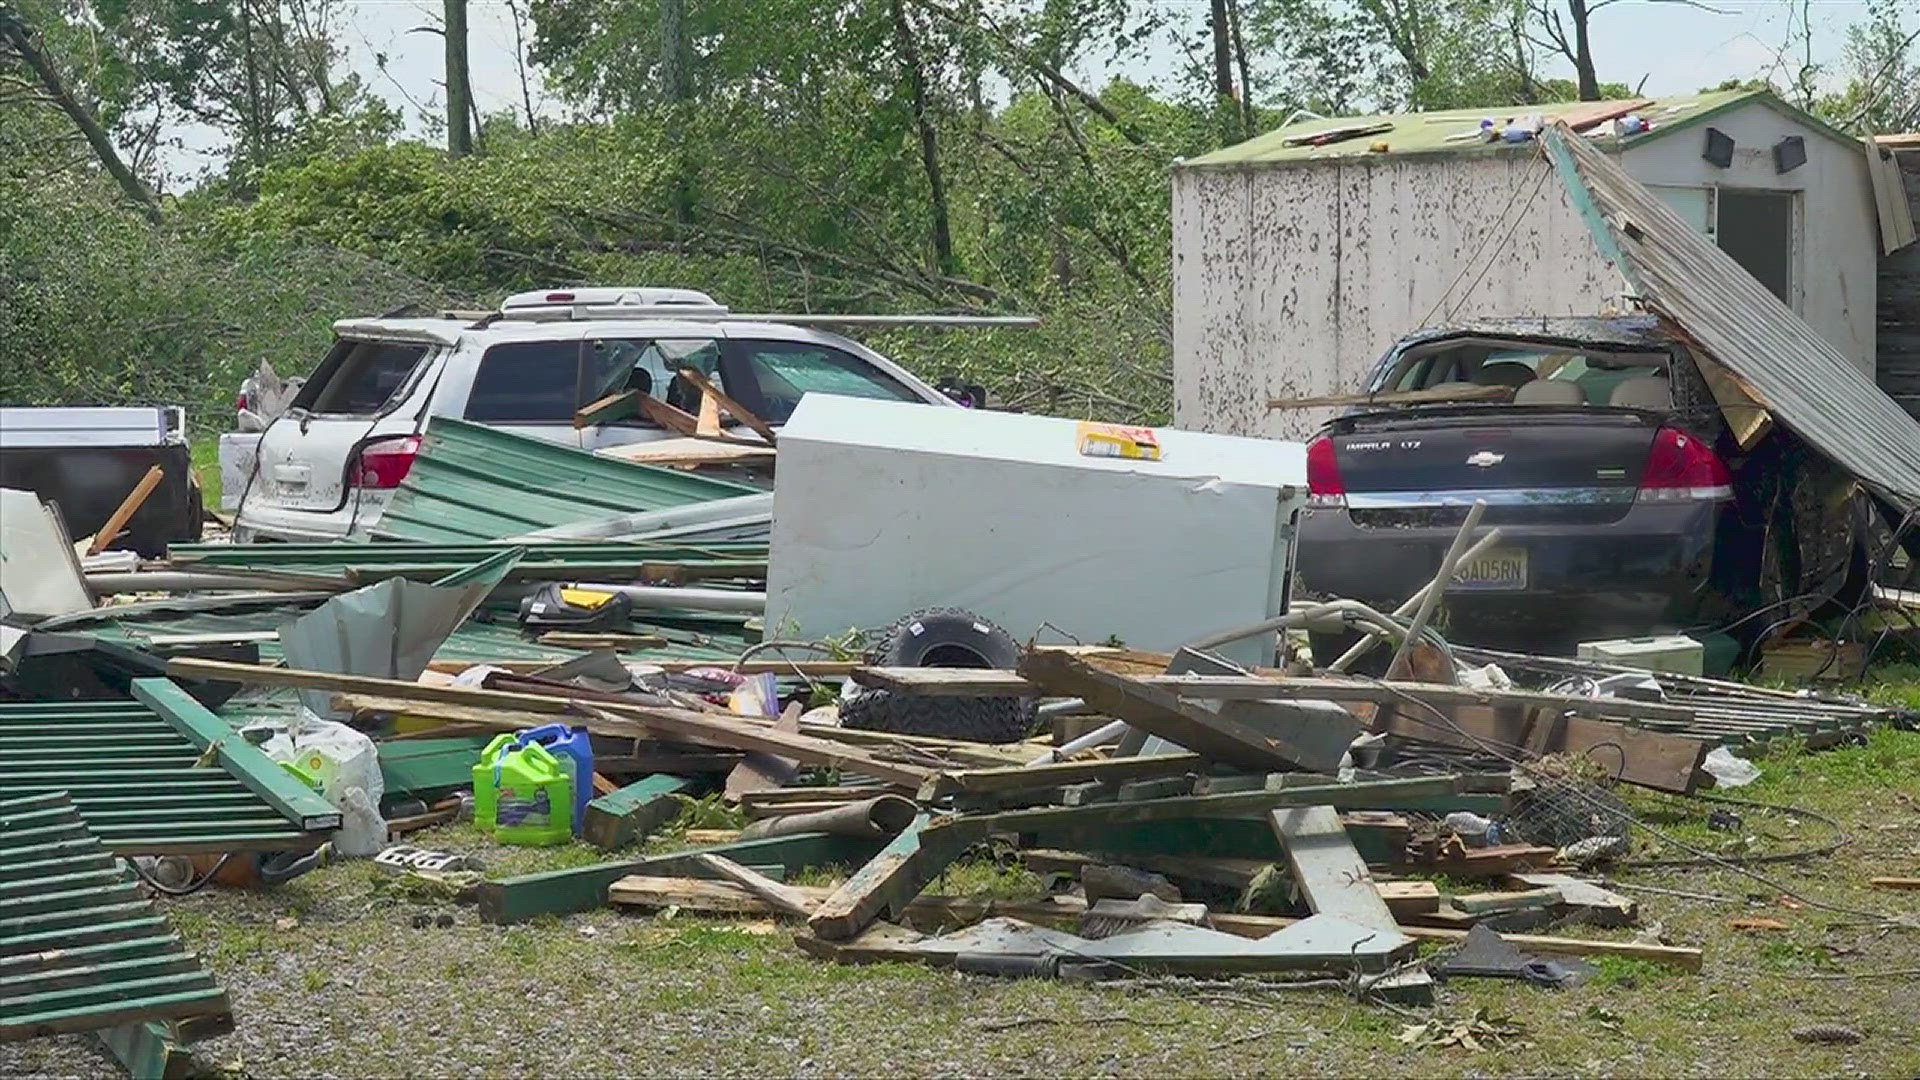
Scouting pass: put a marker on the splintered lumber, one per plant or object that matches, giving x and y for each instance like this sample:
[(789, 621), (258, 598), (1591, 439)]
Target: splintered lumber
[(600, 717), (1440, 793), (619, 818), (687, 452), (608, 409), (1651, 759), (1219, 736), (784, 898), (884, 886), (1330, 873), (945, 682), (1024, 778), (733, 408), (668, 417), (127, 508), (583, 888), (1397, 397)]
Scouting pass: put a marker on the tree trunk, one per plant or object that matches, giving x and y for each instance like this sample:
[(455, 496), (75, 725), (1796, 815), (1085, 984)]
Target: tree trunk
[(459, 89), (1246, 72), (1583, 51), (676, 89), (17, 34), (1222, 29), (929, 142), (256, 126)]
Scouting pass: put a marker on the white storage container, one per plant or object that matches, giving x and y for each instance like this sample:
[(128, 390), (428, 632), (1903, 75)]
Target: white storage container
[(885, 507), (1676, 653)]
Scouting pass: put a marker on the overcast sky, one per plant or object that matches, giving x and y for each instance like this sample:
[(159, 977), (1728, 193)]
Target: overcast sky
[(1676, 47)]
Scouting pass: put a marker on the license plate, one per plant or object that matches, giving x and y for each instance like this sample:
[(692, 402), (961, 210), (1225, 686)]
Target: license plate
[(1498, 570)]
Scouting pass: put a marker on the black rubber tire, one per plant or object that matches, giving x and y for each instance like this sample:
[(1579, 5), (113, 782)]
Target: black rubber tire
[(945, 637), (969, 719), (942, 637)]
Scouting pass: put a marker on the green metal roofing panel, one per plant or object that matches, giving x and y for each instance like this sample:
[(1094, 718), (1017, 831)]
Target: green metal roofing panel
[(550, 561), (1452, 131), (472, 482), (80, 948), (139, 780)]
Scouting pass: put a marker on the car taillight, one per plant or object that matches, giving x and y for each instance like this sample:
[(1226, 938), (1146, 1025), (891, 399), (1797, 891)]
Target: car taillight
[(1324, 486), (385, 463), (1683, 467), (240, 402)]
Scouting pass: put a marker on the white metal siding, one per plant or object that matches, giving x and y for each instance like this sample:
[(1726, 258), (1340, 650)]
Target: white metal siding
[(1834, 272), (1291, 281)]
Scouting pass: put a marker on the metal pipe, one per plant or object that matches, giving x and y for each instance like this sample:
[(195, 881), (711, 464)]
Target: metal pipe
[(1365, 645), (1439, 584), (653, 520), (1099, 736), (882, 815), (688, 598), (745, 527)]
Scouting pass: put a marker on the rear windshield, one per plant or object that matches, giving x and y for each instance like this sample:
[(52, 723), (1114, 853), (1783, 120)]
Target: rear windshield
[(1530, 373), (359, 377)]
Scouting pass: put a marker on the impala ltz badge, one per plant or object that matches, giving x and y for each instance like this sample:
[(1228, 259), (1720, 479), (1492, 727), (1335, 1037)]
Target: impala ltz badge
[(1486, 459)]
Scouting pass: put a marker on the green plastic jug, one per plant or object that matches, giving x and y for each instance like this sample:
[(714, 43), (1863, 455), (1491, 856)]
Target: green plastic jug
[(522, 795)]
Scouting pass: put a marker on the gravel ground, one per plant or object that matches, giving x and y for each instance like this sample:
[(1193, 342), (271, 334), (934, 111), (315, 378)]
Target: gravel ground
[(329, 979)]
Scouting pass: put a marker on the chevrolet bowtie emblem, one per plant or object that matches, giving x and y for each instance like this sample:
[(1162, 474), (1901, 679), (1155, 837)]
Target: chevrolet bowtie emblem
[(1486, 459)]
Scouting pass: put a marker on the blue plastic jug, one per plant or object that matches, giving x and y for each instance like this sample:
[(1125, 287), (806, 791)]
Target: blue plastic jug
[(574, 747)]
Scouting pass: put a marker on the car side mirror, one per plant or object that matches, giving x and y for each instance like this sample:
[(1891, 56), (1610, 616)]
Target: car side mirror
[(969, 395)]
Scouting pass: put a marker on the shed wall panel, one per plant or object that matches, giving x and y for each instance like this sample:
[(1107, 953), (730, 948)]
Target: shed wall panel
[(1340, 258), (1838, 231)]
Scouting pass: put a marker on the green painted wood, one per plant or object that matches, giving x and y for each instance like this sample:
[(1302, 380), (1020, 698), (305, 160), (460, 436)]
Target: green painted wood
[(564, 892), (147, 1051), (16, 927), (624, 816), (132, 948), (179, 1001), (299, 803), (113, 930), (429, 767)]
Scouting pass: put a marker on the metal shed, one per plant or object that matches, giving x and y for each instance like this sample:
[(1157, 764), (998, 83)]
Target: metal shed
[(1296, 264)]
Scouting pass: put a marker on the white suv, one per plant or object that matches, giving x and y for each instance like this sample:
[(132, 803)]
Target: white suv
[(327, 467)]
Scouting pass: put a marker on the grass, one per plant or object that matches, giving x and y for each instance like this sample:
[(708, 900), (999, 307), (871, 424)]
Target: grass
[(205, 450)]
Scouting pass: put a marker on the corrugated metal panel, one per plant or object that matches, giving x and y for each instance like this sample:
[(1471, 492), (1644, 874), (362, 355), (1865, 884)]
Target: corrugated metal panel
[(541, 561), (1807, 385), (139, 781), (478, 483), (80, 949)]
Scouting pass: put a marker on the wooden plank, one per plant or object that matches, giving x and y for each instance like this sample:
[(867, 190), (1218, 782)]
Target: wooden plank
[(784, 898), (608, 409), (1222, 738), (1659, 760), (1903, 883), (735, 409), (1028, 777), (683, 452), (583, 888), (1398, 397), (885, 885), (674, 420), (116, 521), (622, 817), (605, 718), (946, 682), (299, 804), (1425, 792), (575, 639), (1331, 875)]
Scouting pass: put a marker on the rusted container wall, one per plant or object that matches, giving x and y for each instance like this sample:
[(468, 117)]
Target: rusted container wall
[(1290, 281)]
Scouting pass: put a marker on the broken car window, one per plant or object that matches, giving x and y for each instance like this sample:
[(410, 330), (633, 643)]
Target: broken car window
[(359, 377)]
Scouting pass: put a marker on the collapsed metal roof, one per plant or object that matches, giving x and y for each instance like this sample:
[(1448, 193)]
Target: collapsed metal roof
[(1761, 344), (472, 482), (80, 947)]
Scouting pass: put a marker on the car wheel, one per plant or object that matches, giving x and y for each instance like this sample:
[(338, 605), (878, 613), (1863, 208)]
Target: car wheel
[(942, 637)]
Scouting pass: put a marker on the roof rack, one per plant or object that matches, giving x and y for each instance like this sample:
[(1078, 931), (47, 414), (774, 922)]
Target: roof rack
[(721, 313)]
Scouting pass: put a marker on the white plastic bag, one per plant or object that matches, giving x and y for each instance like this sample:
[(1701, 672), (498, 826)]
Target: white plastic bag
[(1729, 771), (346, 766)]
